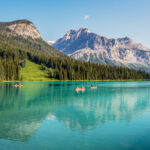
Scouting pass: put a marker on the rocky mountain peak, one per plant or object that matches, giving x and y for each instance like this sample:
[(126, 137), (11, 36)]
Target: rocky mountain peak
[(75, 33), (24, 28), (84, 30), (124, 39), (87, 46), (69, 34)]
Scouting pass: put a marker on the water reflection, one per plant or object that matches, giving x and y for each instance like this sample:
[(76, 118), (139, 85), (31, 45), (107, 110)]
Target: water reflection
[(22, 110)]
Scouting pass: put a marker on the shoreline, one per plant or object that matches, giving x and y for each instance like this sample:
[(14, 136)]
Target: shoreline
[(75, 80)]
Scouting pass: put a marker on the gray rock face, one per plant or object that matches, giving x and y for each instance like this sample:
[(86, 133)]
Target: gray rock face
[(87, 46), (23, 28)]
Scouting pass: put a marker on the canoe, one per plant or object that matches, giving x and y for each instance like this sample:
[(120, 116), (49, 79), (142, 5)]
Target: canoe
[(93, 87), (18, 85), (80, 89)]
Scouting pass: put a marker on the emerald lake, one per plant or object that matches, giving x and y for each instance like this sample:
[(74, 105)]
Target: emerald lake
[(53, 116)]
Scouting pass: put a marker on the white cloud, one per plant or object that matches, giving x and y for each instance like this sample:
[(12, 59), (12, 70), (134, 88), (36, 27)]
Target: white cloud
[(86, 17)]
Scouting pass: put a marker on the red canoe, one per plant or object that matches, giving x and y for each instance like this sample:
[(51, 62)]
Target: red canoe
[(93, 87), (18, 85), (80, 89)]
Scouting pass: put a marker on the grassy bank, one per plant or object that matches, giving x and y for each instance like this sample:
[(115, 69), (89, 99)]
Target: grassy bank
[(33, 72)]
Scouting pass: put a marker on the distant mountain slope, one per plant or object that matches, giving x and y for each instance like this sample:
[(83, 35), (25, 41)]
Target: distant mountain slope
[(23, 34), (87, 46)]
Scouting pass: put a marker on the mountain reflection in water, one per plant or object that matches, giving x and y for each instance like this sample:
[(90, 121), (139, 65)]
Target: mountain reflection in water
[(22, 110)]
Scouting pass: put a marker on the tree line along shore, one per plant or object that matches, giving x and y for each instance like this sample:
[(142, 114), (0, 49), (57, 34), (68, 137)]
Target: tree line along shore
[(12, 60)]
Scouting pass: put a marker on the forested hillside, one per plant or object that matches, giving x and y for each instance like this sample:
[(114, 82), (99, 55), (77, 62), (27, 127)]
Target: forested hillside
[(70, 69), (13, 59), (17, 33)]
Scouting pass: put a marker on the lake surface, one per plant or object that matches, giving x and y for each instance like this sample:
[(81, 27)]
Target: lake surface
[(53, 116)]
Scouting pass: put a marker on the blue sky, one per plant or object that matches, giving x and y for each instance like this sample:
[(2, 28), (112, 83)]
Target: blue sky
[(110, 18)]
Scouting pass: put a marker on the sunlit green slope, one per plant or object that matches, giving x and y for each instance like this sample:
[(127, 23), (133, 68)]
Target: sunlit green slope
[(33, 72)]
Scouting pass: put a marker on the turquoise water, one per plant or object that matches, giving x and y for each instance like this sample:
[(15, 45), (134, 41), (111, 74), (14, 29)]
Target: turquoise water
[(53, 116)]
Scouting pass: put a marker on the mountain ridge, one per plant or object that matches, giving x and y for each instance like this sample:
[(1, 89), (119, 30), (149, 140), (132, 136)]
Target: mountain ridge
[(87, 46), (24, 34), (16, 21), (24, 28)]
